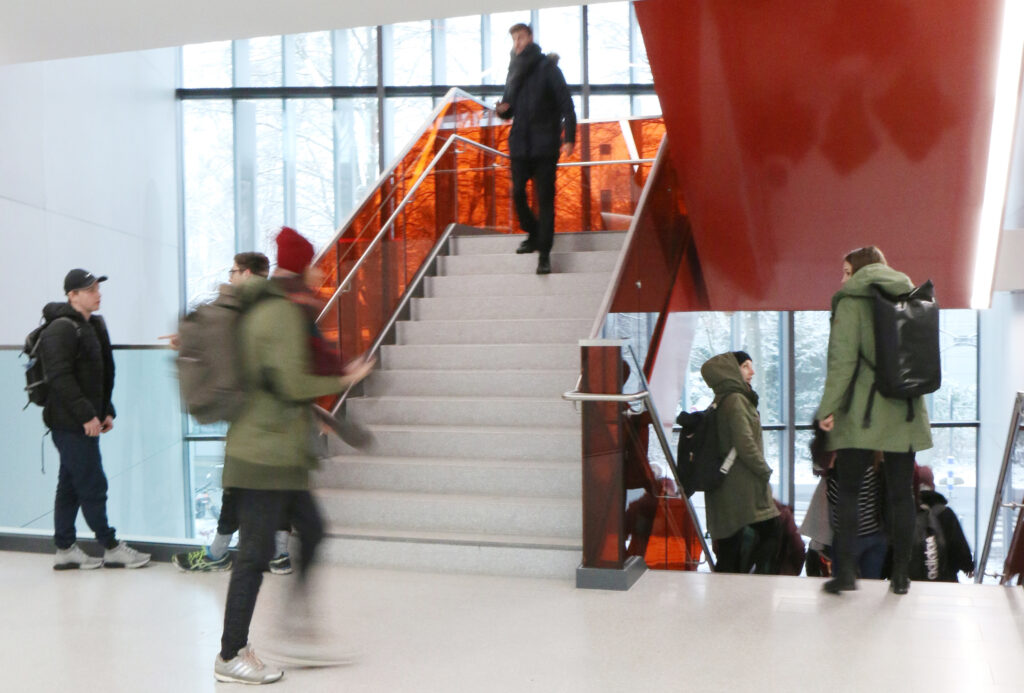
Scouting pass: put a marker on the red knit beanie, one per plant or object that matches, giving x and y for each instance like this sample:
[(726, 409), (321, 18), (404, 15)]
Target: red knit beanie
[(294, 253)]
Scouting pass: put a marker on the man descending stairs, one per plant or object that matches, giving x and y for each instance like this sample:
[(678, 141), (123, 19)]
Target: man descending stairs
[(476, 465)]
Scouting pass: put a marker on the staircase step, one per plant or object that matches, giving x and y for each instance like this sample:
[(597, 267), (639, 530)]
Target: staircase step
[(474, 442), (520, 331), (500, 384), (511, 263), (480, 356), (517, 284), (463, 411), (447, 552), (491, 515), (564, 242), (549, 479), (580, 306)]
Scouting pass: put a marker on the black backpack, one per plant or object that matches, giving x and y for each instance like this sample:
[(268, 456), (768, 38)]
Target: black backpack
[(36, 385), (907, 362), (701, 467), (930, 557)]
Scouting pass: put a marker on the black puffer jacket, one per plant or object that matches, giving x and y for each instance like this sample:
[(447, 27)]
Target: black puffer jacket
[(79, 366), (540, 103)]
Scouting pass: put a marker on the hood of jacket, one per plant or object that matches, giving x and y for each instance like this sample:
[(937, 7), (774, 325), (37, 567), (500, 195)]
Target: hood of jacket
[(52, 311), (256, 289), (931, 498), (722, 374), (889, 280)]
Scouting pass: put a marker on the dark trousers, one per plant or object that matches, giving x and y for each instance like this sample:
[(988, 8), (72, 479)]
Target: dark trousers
[(227, 521), (898, 468), (81, 483), (755, 546), (260, 513), (541, 228)]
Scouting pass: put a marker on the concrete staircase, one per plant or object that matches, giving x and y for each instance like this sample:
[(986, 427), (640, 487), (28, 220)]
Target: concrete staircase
[(476, 467)]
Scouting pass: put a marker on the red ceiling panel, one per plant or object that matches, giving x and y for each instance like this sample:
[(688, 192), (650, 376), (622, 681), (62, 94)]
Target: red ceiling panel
[(801, 130)]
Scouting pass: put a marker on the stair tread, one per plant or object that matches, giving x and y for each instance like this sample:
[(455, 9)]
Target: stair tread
[(450, 461), (406, 496), (468, 538), (469, 428)]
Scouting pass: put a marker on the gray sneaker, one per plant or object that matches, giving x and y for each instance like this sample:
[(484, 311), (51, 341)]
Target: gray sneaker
[(245, 667), (74, 558), (124, 556)]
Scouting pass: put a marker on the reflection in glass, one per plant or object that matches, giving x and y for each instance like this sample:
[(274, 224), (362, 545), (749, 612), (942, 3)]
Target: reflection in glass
[(269, 174), (308, 63), (559, 31), (264, 62), (810, 355), (608, 42), (209, 196), (463, 52), (407, 54), (314, 170), (206, 65), (355, 57), (957, 399)]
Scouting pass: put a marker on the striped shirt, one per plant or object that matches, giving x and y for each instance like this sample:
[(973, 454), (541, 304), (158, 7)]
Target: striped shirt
[(869, 505)]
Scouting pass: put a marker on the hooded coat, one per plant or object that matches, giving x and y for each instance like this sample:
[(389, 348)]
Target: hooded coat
[(745, 496), (852, 336), (79, 366), (540, 103), (269, 444)]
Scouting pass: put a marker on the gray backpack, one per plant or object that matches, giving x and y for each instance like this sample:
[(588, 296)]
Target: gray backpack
[(209, 360)]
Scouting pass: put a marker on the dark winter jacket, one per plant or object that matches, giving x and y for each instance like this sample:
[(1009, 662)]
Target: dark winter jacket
[(958, 552), (745, 496), (540, 105), (79, 367)]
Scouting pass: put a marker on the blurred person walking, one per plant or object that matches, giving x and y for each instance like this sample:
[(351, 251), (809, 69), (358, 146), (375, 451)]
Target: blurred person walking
[(268, 455)]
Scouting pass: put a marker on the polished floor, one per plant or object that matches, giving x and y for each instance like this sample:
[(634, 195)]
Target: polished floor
[(158, 630)]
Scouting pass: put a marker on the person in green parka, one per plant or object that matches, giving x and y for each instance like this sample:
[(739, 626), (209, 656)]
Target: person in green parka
[(268, 455), (860, 422), (741, 513)]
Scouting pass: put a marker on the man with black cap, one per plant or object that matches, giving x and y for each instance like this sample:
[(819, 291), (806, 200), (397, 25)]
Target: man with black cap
[(79, 367)]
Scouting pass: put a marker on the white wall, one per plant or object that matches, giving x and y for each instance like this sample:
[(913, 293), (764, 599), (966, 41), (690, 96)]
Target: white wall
[(88, 178)]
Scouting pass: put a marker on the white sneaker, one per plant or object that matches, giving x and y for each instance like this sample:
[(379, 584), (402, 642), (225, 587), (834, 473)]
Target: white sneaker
[(245, 667), (74, 558), (124, 556)]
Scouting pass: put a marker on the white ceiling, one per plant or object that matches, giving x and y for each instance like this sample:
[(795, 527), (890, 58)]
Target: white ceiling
[(32, 30)]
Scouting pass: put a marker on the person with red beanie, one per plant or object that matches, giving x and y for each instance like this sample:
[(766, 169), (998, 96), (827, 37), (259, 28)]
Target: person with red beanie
[(268, 457)]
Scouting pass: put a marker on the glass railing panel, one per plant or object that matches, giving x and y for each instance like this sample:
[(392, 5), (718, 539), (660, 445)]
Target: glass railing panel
[(142, 455)]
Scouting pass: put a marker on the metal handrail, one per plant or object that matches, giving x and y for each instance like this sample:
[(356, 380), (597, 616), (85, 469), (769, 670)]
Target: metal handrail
[(394, 216), (448, 99), (417, 279), (648, 402), (997, 498)]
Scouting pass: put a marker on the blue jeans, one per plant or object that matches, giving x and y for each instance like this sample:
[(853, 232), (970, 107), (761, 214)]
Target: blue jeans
[(869, 554), (81, 483)]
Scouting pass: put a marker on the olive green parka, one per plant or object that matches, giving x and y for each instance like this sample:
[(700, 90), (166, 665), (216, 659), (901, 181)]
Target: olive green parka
[(269, 444), (745, 496), (852, 333)]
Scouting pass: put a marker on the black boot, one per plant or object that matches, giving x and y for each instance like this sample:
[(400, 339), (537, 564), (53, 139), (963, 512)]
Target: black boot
[(525, 248), (544, 264), (843, 582), (899, 583)]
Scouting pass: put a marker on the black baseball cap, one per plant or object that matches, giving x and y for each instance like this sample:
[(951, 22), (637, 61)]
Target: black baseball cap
[(80, 279)]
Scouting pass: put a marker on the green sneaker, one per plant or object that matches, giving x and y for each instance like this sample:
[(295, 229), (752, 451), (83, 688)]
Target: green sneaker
[(199, 561)]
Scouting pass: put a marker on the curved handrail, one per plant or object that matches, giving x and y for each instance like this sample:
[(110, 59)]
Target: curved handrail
[(394, 216), (448, 99)]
